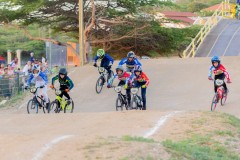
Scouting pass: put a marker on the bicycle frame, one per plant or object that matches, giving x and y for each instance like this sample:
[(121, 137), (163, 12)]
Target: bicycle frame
[(103, 72), (35, 98), (120, 94), (61, 101), (220, 89), (136, 97)]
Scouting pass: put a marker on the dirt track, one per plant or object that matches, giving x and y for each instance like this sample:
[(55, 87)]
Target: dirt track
[(175, 85)]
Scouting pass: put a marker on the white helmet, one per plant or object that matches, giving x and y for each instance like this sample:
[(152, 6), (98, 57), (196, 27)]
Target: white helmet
[(36, 67)]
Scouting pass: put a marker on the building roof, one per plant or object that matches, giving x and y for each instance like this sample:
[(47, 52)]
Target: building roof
[(178, 14), (213, 8), (183, 19)]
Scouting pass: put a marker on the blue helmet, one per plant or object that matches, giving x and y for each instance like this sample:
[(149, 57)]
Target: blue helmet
[(131, 54), (216, 59)]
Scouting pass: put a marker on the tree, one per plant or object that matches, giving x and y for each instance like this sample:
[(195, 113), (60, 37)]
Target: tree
[(105, 22)]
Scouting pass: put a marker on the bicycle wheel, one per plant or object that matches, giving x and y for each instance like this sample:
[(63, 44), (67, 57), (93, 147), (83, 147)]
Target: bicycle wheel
[(119, 103), (99, 84), (43, 103), (134, 104), (32, 107), (214, 102), (139, 102), (69, 108), (54, 107), (223, 100)]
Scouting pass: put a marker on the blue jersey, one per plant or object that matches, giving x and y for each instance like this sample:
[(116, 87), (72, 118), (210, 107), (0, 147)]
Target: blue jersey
[(130, 64), (42, 77), (106, 59)]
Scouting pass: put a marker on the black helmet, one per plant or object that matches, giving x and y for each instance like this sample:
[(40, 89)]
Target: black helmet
[(63, 71)]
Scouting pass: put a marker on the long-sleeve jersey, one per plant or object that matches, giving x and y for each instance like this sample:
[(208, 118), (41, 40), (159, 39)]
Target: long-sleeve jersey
[(141, 78), (130, 64), (63, 82), (214, 70), (41, 78), (125, 77), (106, 58)]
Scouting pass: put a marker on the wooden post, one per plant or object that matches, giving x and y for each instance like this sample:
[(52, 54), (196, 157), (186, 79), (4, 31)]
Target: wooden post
[(9, 57), (81, 32), (19, 57)]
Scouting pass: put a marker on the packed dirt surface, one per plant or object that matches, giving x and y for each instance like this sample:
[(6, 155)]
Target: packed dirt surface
[(175, 85)]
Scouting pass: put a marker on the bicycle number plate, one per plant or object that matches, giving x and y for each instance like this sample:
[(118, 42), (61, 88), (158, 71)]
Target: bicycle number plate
[(101, 69), (33, 89), (134, 90), (58, 92), (219, 82), (118, 89)]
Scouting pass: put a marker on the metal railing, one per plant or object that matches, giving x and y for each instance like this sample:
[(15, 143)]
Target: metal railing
[(11, 85), (224, 10)]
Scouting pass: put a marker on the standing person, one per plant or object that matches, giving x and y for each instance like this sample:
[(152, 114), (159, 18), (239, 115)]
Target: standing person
[(31, 57), (106, 61), (40, 80), (27, 68), (14, 63), (140, 80), (2, 69), (219, 72), (131, 61), (5, 87), (10, 69), (43, 61), (36, 61)]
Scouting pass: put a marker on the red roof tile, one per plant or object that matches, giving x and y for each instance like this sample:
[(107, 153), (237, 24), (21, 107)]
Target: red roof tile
[(213, 8), (179, 14), (183, 19)]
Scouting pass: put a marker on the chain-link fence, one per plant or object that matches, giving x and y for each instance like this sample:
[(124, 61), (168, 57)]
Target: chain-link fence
[(56, 55), (11, 85)]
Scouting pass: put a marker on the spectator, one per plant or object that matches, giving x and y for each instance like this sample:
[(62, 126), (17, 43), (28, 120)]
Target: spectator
[(27, 68), (43, 60), (14, 63), (31, 57), (2, 69), (10, 70), (36, 61), (5, 84)]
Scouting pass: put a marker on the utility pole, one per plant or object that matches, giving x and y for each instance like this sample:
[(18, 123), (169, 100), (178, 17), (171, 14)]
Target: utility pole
[(81, 32)]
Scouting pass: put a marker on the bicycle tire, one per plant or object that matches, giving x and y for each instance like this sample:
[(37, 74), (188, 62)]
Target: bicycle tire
[(214, 102), (119, 99), (224, 99), (29, 106), (54, 106), (67, 109), (99, 84), (140, 104), (133, 103), (43, 103)]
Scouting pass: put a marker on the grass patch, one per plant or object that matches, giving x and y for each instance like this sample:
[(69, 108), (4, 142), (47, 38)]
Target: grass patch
[(137, 139), (224, 133), (232, 120), (96, 145), (140, 158), (14, 100), (200, 148)]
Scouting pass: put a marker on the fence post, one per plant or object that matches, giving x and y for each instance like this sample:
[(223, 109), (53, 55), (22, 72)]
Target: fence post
[(193, 48), (18, 84)]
